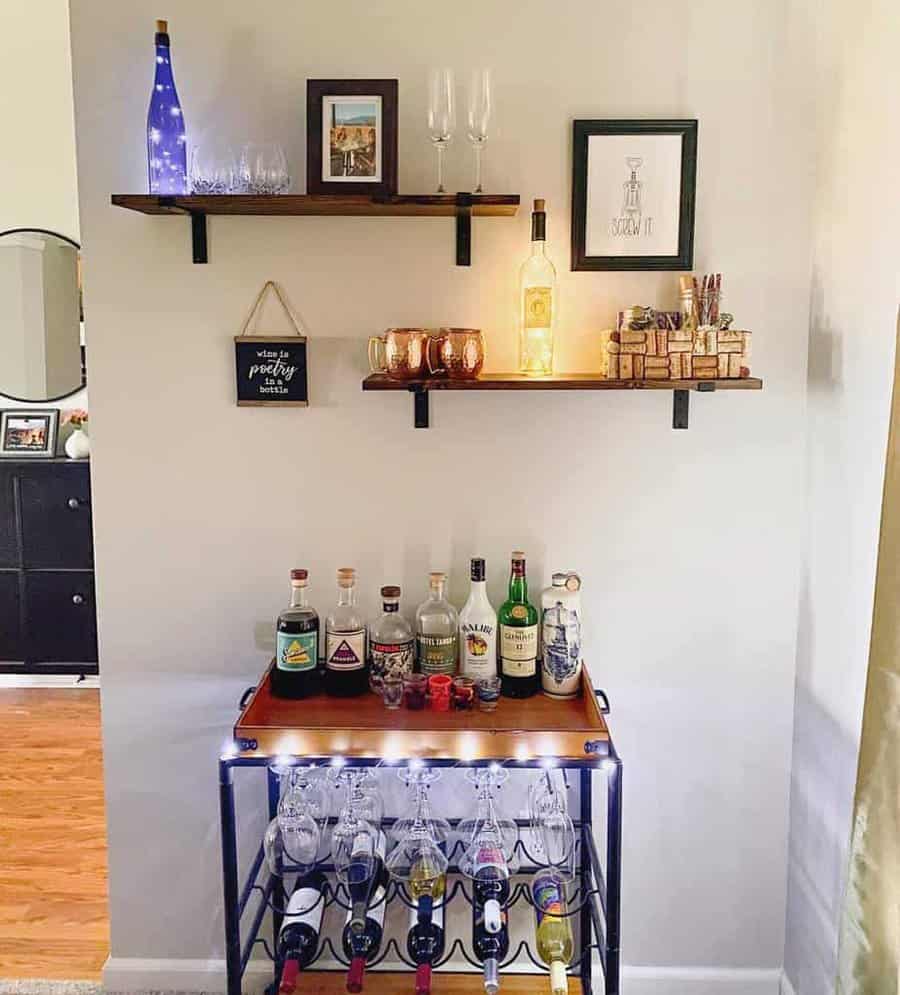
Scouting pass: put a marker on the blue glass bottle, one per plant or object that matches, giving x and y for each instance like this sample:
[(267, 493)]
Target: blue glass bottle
[(166, 143)]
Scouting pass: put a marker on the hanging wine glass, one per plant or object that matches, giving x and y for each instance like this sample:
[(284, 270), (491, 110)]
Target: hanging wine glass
[(488, 828), (441, 116), (479, 116), (292, 839), (552, 830)]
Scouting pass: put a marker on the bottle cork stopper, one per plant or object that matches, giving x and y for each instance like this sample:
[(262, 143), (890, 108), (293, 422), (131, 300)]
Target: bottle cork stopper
[(518, 554), (685, 283), (299, 574), (539, 204), (162, 27), (390, 591), (436, 577)]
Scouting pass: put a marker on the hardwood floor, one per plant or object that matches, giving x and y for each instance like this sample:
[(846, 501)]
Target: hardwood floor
[(54, 920)]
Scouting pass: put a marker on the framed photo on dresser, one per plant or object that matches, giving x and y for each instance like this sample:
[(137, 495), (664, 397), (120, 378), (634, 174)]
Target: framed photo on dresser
[(24, 432), (633, 193), (351, 136)]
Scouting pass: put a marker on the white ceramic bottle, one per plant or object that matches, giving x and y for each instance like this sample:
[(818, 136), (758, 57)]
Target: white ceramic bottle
[(478, 629), (561, 636)]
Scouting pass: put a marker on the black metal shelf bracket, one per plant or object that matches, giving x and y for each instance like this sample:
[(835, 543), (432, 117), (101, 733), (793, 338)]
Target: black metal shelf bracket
[(198, 237), (420, 407), (463, 229), (681, 402)]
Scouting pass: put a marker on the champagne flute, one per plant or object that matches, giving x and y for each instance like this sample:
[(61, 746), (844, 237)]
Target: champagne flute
[(480, 105), (441, 115)]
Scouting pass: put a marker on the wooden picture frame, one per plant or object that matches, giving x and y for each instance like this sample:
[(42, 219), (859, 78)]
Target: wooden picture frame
[(28, 432), (350, 110), (610, 201)]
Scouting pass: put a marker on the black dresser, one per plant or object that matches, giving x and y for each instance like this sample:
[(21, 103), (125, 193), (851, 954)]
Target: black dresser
[(48, 619)]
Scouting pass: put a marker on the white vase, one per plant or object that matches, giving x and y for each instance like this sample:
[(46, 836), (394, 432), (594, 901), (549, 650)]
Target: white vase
[(78, 445)]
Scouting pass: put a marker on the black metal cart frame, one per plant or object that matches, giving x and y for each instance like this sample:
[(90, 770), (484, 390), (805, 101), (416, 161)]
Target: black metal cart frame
[(595, 903)]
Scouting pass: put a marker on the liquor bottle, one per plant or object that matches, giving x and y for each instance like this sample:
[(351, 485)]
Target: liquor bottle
[(478, 629), (425, 945), (537, 280), (561, 636), (490, 943), (554, 930), (437, 629), (361, 948), (296, 671), (364, 872), (166, 142), (392, 645), (298, 938), (518, 636), (345, 642)]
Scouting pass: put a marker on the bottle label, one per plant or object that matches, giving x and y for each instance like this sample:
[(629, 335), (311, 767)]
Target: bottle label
[(345, 650), (518, 650), (546, 892), (306, 906), (478, 649), (561, 658), (297, 651), (538, 307), (491, 856), (437, 654), (392, 659)]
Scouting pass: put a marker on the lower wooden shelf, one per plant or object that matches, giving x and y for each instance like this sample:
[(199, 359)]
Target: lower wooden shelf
[(421, 388), (443, 983)]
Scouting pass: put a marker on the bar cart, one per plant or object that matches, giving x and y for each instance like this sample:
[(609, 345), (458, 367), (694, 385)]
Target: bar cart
[(571, 735)]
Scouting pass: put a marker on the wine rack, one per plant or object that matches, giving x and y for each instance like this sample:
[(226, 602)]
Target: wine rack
[(594, 898)]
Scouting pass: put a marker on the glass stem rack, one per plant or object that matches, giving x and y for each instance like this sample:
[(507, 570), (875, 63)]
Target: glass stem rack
[(254, 902)]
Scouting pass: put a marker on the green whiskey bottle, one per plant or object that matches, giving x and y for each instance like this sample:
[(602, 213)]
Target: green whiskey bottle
[(518, 620)]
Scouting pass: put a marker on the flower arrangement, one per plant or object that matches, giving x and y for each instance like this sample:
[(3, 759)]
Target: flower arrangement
[(77, 418)]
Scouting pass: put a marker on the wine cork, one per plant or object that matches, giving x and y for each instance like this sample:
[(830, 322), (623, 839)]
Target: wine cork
[(162, 27)]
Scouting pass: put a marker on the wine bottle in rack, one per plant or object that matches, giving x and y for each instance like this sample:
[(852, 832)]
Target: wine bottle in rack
[(490, 883), (364, 872), (425, 944), (490, 940), (555, 944), (298, 938), (360, 948)]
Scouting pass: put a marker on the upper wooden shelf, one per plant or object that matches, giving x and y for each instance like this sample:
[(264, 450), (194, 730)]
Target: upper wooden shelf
[(462, 206), (362, 727), (559, 381)]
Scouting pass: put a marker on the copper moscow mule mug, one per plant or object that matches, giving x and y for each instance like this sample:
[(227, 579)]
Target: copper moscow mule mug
[(404, 352), (460, 353)]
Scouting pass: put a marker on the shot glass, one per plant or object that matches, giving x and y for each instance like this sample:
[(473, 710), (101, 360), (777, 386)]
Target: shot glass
[(392, 690), (415, 691), (439, 687), (463, 693), (488, 691)]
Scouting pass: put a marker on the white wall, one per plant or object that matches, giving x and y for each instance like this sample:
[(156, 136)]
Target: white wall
[(688, 542), (854, 301)]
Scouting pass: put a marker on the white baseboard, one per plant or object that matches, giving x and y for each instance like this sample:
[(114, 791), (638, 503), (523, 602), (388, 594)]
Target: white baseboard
[(74, 681), (137, 975)]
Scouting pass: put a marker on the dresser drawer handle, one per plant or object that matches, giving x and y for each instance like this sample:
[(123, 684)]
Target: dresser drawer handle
[(74, 503), (77, 599)]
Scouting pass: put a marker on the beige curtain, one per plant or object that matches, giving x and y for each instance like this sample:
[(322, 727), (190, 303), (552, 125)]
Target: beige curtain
[(869, 957)]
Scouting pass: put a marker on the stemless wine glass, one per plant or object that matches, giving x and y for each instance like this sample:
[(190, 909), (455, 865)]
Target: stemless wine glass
[(213, 169), (264, 169), (480, 105), (441, 115)]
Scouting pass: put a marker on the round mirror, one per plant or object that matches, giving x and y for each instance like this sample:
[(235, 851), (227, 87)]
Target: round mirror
[(41, 331)]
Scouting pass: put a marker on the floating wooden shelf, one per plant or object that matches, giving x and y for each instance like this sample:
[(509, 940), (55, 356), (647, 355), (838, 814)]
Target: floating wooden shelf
[(362, 727), (559, 381), (462, 206)]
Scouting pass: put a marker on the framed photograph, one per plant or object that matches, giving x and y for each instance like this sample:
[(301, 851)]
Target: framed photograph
[(633, 195), (28, 433), (351, 136)]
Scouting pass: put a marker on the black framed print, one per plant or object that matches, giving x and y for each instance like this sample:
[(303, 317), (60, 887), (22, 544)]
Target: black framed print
[(25, 432), (351, 136), (633, 192)]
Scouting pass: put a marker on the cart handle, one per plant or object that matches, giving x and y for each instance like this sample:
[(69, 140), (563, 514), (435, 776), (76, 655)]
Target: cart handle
[(245, 697), (605, 706)]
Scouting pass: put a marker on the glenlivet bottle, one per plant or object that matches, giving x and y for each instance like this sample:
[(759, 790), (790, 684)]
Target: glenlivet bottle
[(296, 673), (166, 141), (437, 629), (478, 629), (518, 637), (537, 287), (346, 673)]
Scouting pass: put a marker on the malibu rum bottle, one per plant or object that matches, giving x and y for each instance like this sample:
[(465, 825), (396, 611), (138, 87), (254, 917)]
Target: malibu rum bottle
[(537, 280), (296, 673), (518, 620)]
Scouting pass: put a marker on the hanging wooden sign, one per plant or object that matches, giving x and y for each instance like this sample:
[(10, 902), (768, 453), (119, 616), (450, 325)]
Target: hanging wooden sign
[(271, 369)]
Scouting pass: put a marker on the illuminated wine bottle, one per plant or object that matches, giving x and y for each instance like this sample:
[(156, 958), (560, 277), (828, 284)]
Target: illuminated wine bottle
[(298, 938), (555, 943), (538, 302), (166, 140), (362, 947), (425, 944)]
